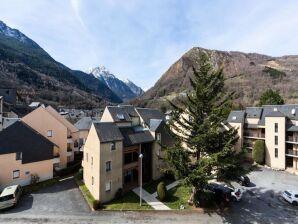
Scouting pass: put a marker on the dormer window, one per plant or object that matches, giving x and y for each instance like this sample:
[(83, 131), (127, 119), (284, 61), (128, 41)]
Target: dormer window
[(275, 109), (18, 156), (120, 116), (234, 118), (293, 111)]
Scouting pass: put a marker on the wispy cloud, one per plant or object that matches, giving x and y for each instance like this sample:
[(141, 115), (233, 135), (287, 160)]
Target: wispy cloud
[(139, 40)]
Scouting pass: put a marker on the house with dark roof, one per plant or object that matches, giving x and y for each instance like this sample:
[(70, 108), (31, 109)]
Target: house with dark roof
[(25, 154), (276, 125), (111, 152)]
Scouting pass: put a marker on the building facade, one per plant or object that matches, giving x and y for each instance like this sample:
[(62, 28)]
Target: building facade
[(276, 125), (24, 154), (58, 130), (111, 152)]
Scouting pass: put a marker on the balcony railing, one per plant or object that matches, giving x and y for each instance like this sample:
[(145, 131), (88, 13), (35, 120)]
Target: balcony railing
[(292, 139), (254, 135), (292, 152)]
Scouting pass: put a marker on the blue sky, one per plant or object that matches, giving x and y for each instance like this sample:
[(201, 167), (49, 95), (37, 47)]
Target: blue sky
[(139, 40)]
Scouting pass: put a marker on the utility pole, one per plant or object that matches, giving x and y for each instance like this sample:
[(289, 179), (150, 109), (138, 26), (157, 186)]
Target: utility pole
[(141, 177)]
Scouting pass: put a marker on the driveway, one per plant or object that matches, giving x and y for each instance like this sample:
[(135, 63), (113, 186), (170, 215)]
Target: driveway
[(61, 198), (261, 203)]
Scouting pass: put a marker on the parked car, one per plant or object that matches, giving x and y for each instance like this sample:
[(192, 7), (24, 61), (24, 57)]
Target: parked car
[(10, 196), (244, 180), (291, 197), (222, 193)]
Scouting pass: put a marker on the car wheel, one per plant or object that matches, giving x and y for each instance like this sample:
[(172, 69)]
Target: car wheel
[(295, 203)]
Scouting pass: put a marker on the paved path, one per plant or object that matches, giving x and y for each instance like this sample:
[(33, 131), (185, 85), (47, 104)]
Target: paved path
[(151, 200), (169, 187)]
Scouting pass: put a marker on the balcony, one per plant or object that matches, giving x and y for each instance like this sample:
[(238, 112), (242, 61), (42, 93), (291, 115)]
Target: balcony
[(56, 158), (292, 139), (291, 152), (69, 149), (254, 135)]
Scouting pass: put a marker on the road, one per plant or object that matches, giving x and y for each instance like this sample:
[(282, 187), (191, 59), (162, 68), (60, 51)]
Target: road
[(260, 204)]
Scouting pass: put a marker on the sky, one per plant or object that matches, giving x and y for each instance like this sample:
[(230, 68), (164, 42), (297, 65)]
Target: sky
[(141, 39)]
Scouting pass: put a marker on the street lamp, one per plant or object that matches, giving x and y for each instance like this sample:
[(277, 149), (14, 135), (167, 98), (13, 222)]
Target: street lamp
[(141, 176)]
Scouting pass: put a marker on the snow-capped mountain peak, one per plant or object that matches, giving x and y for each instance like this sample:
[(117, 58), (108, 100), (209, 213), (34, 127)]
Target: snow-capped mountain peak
[(123, 88), (16, 34)]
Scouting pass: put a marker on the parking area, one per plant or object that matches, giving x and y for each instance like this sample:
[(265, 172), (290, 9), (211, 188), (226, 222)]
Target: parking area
[(261, 202), (62, 198)]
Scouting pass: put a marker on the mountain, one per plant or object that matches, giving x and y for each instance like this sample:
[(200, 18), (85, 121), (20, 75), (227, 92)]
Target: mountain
[(138, 91), (37, 76), (247, 74), (125, 90)]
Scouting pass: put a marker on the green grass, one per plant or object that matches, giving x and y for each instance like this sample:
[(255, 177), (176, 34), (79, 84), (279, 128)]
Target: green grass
[(152, 186), (178, 196), (86, 193), (40, 185), (130, 201)]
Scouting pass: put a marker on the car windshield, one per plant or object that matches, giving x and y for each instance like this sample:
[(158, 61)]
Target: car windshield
[(6, 198), (288, 193)]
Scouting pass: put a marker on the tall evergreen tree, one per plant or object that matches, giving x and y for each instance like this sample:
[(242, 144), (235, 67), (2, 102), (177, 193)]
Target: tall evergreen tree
[(198, 123), (271, 97)]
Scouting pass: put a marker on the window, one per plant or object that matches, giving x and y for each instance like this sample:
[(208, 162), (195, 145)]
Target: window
[(92, 180), (120, 116), (68, 159), (86, 157), (276, 127), (27, 172), (158, 137), (108, 186), (91, 160), (108, 166), (276, 140), (113, 146), (18, 156), (50, 133), (276, 152), (16, 174)]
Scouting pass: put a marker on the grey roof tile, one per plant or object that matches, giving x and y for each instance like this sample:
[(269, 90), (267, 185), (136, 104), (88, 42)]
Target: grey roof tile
[(108, 132), (147, 114)]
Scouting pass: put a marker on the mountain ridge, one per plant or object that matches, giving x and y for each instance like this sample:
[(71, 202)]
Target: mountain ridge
[(247, 74)]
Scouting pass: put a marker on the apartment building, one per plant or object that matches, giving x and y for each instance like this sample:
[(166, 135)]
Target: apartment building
[(24, 154), (276, 125), (84, 125), (111, 152), (49, 123)]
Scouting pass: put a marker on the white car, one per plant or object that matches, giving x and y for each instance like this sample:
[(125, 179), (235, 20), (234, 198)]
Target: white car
[(10, 196), (291, 197)]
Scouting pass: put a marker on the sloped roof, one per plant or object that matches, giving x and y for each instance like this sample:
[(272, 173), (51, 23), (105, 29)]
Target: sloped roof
[(133, 136), (108, 131), (147, 114), (118, 113), (154, 124), (19, 137), (65, 122), (275, 114), (130, 110), (85, 123), (236, 116)]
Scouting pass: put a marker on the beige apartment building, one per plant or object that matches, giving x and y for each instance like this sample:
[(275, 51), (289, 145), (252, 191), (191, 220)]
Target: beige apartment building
[(49, 123), (111, 152), (276, 125), (24, 154)]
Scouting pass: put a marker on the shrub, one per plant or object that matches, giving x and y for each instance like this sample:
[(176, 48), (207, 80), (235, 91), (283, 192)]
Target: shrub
[(96, 204), (69, 170), (204, 199), (258, 152), (161, 191), (169, 174)]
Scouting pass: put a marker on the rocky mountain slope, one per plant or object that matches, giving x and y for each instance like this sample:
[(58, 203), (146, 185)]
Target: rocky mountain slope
[(247, 74), (37, 76), (125, 90)]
